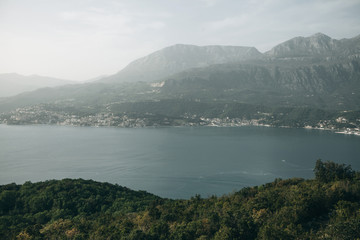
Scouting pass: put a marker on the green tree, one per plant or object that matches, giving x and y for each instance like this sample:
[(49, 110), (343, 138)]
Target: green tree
[(330, 171)]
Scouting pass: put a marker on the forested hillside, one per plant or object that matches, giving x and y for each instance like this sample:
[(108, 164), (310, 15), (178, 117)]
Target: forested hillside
[(327, 207)]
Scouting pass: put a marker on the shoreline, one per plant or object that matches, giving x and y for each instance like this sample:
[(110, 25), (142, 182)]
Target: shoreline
[(352, 132)]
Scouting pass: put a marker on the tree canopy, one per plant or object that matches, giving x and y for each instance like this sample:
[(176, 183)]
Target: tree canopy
[(327, 207)]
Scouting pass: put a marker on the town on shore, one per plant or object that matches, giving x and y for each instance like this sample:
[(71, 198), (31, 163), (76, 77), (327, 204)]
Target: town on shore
[(39, 115)]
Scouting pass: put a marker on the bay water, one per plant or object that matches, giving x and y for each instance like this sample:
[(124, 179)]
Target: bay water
[(174, 162)]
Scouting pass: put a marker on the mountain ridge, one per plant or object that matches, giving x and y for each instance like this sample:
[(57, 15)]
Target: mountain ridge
[(14, 83), (316, 45), (180, 57), (325, 81)]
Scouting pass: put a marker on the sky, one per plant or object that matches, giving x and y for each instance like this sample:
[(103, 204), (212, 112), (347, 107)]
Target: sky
[(83, 39)]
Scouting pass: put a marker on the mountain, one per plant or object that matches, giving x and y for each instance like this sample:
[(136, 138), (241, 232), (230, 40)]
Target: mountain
[(314, 72), (318, 45), (13, 84), (324, 84), (178, 58)]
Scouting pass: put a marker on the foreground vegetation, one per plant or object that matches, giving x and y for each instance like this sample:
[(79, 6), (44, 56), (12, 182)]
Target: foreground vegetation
[(327, 207)]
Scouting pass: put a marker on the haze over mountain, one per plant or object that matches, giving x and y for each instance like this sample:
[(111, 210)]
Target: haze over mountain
[(13, 83), (315, 71), (95, 78)]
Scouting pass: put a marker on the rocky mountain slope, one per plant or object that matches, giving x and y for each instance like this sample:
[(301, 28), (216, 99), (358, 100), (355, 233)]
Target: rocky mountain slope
[(178, 58), (330, 85), (316, 71), (318, 45)]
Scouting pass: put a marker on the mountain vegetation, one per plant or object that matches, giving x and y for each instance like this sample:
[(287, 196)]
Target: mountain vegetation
[(326, 207)]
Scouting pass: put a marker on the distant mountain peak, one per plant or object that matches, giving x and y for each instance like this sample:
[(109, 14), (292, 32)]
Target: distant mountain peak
[(320, 35), (318, 44)]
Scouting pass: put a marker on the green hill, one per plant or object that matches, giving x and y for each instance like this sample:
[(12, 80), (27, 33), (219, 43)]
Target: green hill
[(327, 207)]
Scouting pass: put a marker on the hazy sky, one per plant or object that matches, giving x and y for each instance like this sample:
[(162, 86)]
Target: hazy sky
[(81, 39)]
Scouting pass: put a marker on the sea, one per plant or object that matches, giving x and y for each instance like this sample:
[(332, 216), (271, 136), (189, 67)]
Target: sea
[(171, 162)]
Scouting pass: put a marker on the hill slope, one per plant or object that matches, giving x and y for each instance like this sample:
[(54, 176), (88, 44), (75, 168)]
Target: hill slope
[(325, 208)]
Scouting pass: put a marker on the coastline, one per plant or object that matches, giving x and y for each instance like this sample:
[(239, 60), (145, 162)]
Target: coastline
[(205, 122)]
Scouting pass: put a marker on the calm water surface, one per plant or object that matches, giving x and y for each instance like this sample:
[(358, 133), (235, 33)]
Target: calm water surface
[(170, 162)]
